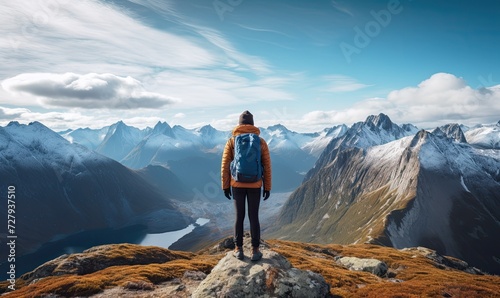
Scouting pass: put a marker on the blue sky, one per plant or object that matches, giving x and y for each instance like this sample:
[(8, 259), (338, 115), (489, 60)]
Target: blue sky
[(305, 64)]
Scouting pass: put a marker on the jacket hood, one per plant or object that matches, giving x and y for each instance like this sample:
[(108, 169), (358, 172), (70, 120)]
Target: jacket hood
[(245, 128)]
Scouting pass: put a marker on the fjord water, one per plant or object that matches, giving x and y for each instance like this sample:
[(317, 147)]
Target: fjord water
[(79, 242)]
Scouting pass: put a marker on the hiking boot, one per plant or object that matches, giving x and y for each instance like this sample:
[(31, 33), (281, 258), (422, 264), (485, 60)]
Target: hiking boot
[(238, 253), (256, 254)]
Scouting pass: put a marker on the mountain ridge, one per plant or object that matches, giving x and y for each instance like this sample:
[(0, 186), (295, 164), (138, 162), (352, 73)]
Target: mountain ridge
[(177, 148), (65, 188), (344, 158), (401, 193)]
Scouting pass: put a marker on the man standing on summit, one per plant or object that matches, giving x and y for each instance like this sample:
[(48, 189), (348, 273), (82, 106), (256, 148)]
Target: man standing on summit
[(246, 168)]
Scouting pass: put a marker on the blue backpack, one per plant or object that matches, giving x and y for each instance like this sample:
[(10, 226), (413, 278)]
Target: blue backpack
[(246, 165)]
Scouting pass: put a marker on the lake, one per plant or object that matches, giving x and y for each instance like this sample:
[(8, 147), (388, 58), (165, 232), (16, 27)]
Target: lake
[(79, 242), (168, 238)]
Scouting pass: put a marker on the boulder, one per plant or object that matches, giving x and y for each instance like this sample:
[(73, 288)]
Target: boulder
[(444, 262), (272, 276), (372, 266)]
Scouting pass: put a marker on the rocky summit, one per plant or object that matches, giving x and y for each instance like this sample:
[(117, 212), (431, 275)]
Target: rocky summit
[(272, 276), (287, 269)]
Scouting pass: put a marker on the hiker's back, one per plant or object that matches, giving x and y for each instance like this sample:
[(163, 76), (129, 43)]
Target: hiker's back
[(246, 165)]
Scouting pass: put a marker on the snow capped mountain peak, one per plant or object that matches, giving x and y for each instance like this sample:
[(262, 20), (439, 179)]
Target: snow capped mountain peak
[(120, 140), (32, 131), (163, 128), (484, 136), (206, 130), (36, 143), (419, 138), (376, 130), (67, 188), (380, 186), (13, 123), (278, 127), (453, 131), (431, 148), (277, 132), (381, 121), (336, 131), (410, 128), (118, 127)]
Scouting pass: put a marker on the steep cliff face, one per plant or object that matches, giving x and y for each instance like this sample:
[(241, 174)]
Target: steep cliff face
[(348, 199), (422, 190), (456, 208)]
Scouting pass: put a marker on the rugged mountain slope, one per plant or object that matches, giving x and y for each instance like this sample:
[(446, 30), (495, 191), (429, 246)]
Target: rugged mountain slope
[(90, 138), (165, 144), (375, 130), (120, 140), (484, 136), (167, 182), (64, 188), (303, 149), (426, 189), (452, 131)]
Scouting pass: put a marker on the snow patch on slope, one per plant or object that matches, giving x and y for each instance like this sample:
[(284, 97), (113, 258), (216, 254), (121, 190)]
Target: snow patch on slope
[(463, 184), (484, 136)]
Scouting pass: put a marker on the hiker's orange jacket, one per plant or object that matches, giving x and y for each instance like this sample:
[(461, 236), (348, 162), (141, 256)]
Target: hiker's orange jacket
[(228, 156)]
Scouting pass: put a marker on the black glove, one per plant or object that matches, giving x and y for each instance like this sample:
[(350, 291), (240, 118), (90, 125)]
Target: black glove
[(227, 193), (266, 194)]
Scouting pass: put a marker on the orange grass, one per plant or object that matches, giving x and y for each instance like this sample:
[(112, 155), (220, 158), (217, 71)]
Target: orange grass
[(417, 275), (70, 285), (420, 278)]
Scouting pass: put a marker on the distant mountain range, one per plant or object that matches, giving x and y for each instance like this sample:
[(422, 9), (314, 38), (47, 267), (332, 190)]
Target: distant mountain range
[(63, 189), (397, 186), (374, 181), (194, 155)]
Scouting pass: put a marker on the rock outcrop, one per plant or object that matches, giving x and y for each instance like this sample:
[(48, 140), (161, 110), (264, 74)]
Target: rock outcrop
[(444, 262), (104, 256), (372, 266), (288, 269), (272, 276)]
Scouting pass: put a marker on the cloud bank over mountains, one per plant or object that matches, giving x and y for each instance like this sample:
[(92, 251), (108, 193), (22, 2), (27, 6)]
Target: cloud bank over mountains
[(440, 99), (93, 63), (89, 91)]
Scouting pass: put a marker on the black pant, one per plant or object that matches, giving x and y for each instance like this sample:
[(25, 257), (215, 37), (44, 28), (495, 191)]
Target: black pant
[(241, 196)]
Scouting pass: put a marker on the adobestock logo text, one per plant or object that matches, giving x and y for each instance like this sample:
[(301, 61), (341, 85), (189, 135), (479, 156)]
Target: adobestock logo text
[(364, 35)]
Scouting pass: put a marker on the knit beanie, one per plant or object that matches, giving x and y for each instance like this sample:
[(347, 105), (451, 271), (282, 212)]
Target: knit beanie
[(246, 118)]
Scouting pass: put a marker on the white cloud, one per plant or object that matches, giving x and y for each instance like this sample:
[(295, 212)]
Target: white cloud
[(192, 63), (78, 118), (441, 99), (341, 83), (445, 98), (11, 114), (237, 60), (209, 88), (87, 34), (89, 91), (54, 120)]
